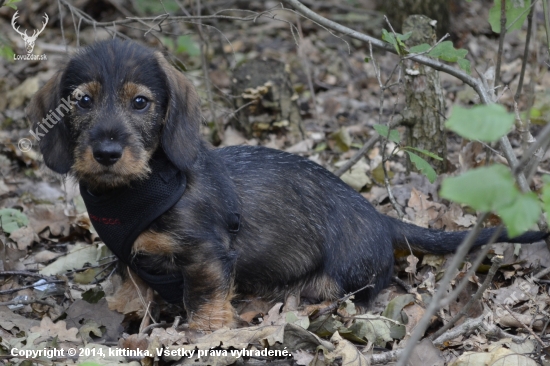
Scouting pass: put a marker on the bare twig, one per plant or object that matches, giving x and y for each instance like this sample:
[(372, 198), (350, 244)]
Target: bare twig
[(334, 305), (385, 357), (11, 291), (525, 326), (307, 69), (500, 40), (546, 23), (24, 273), (144, 303), (355, 158), (374, 138), (472, 269), (383, 87), (402, 283), (476, 324), (492, 271), (29, 301), (146, 330), (525, 51), (422, 325), (542, 273)]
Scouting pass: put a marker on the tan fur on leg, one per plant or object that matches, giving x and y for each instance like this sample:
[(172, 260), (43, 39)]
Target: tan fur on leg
[(216, 314)]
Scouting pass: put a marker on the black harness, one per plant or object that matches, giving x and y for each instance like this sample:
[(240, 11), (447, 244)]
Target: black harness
[(121, 215)]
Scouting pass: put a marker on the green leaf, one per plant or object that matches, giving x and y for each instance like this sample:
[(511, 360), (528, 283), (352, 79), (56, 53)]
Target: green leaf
[(447, 52), (185, 44), (367, 60), (484, 122), (383, 131), (322, 146), (12, 219), (420, 48), (422, 165), (6, 52), (483, 189), (342, 139), (11, 3), (465, 65), (516, 13), (396, 42), (425, 152), (521, 214), (546, 196)]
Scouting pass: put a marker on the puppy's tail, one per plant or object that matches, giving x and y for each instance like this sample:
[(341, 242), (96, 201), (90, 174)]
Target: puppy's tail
[(440, 242)]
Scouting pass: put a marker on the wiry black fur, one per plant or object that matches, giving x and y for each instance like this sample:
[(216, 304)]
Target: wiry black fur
[(302, 228)]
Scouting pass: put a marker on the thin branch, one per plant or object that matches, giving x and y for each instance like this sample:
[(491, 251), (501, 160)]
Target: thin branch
[(472, 269), (333, 306), (424, 322), (140, 295), (307, 69), (28, 301), (492, 271), (24, 273), (473, 324), (525, 52), (375, 137), (501, 40), (546, 23), (525, 326), (11, 291)]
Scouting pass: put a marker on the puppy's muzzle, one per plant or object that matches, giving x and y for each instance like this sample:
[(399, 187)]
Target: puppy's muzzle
[(107, 152)]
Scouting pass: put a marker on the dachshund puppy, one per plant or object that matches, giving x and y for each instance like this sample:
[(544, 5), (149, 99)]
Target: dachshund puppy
[(202, 225)]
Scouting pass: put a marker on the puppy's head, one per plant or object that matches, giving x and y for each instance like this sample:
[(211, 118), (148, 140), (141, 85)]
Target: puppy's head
[(114, 104)]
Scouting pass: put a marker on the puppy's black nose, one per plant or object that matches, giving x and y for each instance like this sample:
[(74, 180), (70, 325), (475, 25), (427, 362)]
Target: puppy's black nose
[(107, 153)]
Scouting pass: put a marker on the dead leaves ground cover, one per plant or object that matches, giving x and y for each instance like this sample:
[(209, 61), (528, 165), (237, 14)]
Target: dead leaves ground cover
[(56, 275)]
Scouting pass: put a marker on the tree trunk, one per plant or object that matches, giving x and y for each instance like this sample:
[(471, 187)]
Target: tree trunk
[(425, 105), (265, 101)]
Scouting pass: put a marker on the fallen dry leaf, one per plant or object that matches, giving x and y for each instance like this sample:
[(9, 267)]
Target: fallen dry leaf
[(24, 237), (424, 354), (49, 329), (346, 351), (81, 311)]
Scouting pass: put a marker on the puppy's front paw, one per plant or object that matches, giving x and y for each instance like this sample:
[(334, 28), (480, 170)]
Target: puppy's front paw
[(213, 316)]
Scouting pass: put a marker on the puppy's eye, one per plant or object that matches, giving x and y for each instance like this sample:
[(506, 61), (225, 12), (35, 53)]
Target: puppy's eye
[(85, 102), (140, 103)]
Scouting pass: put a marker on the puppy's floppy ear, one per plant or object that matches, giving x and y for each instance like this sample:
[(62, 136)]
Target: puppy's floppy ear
[(53, 134), (180, 138)]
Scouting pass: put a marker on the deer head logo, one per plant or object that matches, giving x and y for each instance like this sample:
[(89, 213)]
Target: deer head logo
[(29, 40)]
